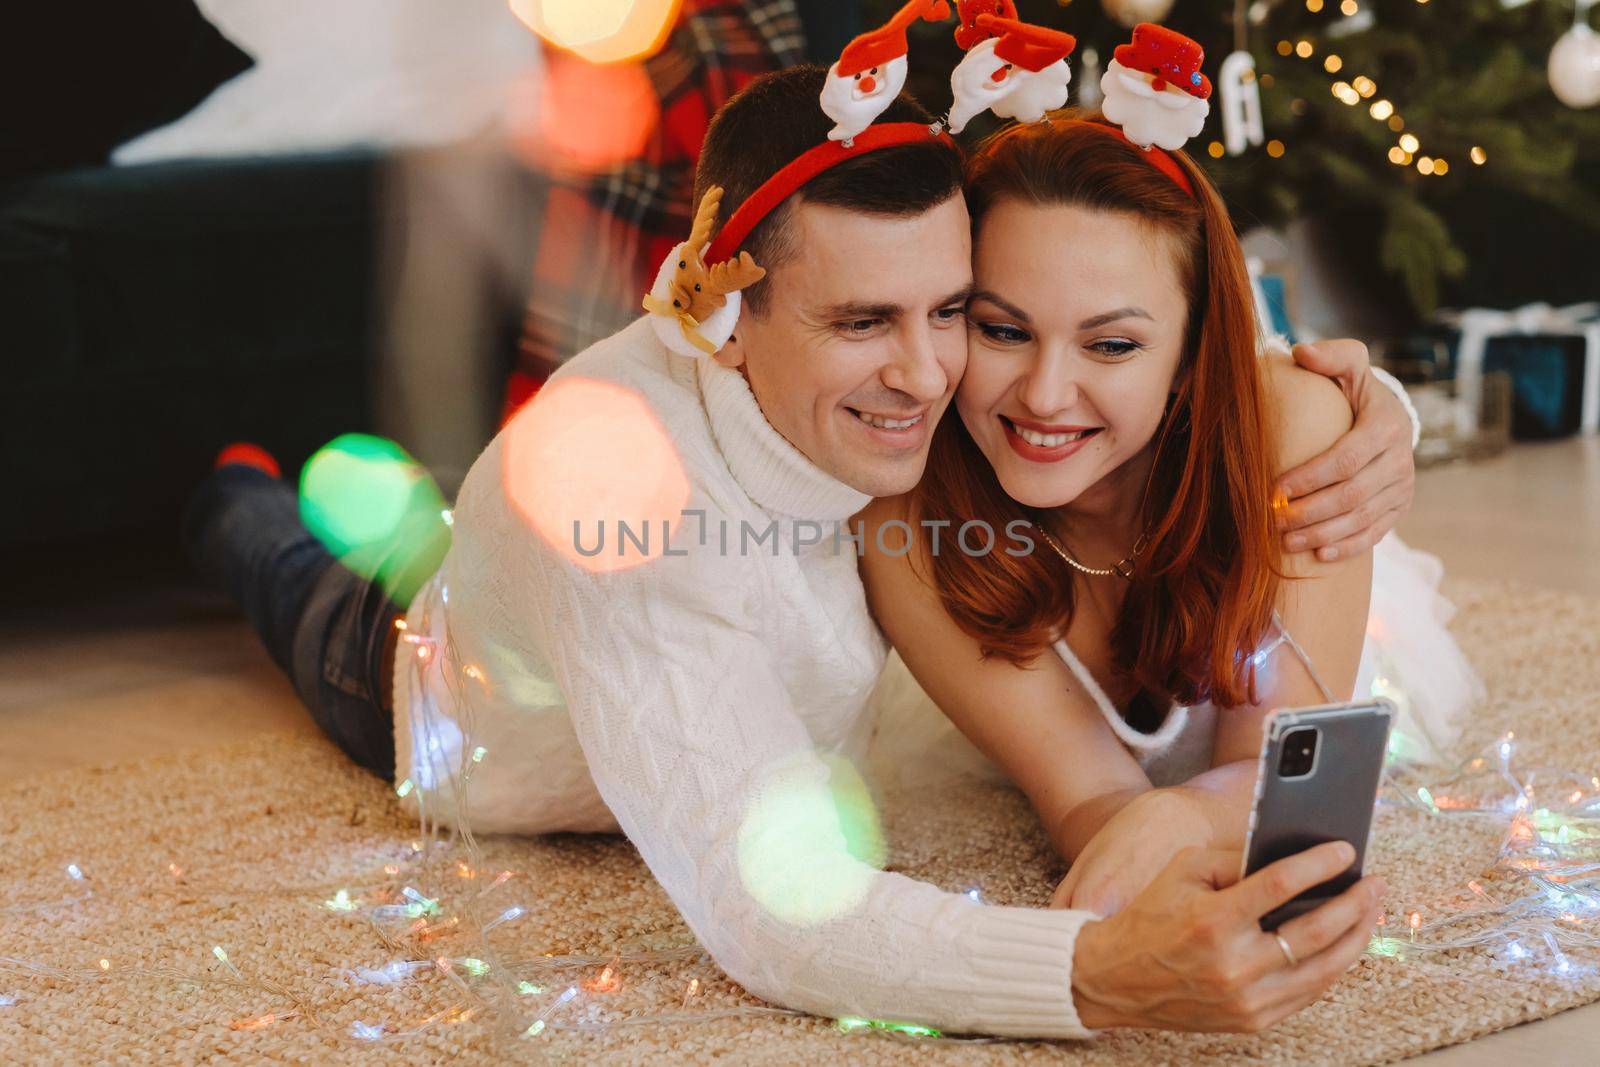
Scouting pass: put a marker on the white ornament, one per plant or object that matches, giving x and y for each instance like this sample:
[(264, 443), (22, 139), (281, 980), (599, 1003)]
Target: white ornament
[(1132, 12), (855, 103), (1020, 94), (1165, 119), (1575, 67), (1241, 103), (717, 327)]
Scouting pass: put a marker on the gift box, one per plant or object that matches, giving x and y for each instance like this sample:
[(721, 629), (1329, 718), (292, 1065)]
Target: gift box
[(1551, 355)]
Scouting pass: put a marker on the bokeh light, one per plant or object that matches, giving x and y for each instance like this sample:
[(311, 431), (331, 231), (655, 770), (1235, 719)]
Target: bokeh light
[(811, 841), (376, 510), (585, 456), (579, 116), (601, 31)]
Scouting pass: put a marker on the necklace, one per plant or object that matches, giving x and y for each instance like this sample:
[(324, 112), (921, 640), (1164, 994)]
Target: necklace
[(1123, 568)]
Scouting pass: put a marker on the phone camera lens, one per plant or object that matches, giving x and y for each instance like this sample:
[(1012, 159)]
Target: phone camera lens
[(1299, 753)]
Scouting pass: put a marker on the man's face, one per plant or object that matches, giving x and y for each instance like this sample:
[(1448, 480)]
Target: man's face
[(862, 340)]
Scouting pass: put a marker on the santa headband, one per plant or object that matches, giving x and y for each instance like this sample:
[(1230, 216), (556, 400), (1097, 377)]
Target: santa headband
[(1154, 94)]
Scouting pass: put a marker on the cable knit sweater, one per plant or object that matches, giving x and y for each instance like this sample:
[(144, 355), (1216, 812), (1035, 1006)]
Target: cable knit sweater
[(700, 703)]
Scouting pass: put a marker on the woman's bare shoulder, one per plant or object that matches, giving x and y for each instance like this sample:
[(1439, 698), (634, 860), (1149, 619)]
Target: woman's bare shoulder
[(1308, 412)]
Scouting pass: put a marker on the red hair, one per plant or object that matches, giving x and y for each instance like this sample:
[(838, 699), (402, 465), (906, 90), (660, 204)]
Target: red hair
[(1204, 587)]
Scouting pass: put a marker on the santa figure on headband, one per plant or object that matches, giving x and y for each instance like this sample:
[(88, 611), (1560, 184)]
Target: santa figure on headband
[(1154, 89), (871, 71), (1018, 71), (969, 11)]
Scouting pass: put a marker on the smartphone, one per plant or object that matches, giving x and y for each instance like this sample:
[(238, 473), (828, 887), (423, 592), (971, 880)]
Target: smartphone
[(1317, 781)]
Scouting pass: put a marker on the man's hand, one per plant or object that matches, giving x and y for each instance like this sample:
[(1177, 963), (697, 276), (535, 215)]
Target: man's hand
[(1130, 850), (1189, 952), (1343, 502)]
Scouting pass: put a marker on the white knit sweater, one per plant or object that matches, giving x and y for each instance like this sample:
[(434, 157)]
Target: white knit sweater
[(689, 702)]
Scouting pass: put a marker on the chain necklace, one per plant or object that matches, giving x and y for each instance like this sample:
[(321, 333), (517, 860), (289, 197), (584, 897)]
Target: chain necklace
[(1123, 568)]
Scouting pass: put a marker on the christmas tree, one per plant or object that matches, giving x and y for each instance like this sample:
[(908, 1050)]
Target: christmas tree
[(1424, 134)]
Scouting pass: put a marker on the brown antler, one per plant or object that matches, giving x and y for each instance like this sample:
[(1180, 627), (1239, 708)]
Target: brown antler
[(705, 220), (735, 274)]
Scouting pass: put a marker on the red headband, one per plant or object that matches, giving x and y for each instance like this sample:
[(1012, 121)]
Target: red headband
[(788, 181), (1157, 157)]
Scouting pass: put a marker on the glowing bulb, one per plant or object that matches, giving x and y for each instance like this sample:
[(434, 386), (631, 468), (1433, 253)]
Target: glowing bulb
[(528, 989), (1425, 165), (366, 1031), (1303, 49), (1381, 109), (1396, 123), (1313, 6), (1441, 167), (1275, 148), (477, 754), (1415, 920), (341, 902), (1364, 85), (1348, 8), (1215, 149), (1333, 64), (74, 872), (1410, 143), (105, 965), (534, 1030), (404, 788), (1479, 156)]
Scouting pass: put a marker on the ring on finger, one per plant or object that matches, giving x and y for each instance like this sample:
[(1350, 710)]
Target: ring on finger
[(1288, 953)]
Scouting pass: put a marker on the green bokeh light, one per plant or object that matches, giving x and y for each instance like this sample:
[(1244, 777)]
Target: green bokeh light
[(810, 842), (376, 510)]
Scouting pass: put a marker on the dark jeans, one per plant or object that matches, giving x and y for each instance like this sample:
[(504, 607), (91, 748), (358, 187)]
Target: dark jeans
[(325, 625)]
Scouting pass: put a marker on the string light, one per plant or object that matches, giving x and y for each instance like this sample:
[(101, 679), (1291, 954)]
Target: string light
[(1313, 6), (1409, 143), (1286, 48), (341, 902), (1304, 49), (1333, 64), (74, 872), (1215, 149), (1275, 148), (1349, 8), (1381, 109), (1478, 155)]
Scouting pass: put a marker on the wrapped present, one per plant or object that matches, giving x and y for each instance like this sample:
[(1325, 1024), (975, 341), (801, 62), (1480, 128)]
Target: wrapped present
[(1552, 355)]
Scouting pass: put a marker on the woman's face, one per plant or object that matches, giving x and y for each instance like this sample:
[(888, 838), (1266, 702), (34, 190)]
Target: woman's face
[(1077, 332)]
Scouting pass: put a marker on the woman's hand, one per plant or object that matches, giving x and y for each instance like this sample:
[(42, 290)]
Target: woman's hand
[(1189, 953), (1131, 849)]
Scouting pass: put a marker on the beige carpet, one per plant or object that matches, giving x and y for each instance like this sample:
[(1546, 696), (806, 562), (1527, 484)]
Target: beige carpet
[(241, 848)]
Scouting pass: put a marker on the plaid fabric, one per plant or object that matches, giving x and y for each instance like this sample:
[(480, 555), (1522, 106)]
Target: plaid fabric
[(602, 237)]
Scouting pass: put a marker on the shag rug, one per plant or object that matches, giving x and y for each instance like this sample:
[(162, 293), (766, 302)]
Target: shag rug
[(208, 922)]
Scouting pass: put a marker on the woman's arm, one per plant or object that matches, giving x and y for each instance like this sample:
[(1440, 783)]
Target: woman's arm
[(1036, 723)]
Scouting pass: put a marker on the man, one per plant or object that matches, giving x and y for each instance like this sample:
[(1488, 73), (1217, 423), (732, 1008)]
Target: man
[(647, 621)]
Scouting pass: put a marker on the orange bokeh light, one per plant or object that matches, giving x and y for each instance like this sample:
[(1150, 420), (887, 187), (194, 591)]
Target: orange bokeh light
[(585, 453), (601, 31), (582, 116)]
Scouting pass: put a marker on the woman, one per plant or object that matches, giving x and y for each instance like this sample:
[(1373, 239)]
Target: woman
[(1115, 409)]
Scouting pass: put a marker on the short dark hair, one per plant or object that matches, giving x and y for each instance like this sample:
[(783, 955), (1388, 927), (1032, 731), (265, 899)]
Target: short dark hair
[(778, 118)]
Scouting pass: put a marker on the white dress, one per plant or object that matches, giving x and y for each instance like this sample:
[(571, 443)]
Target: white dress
[(1409, 657)]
